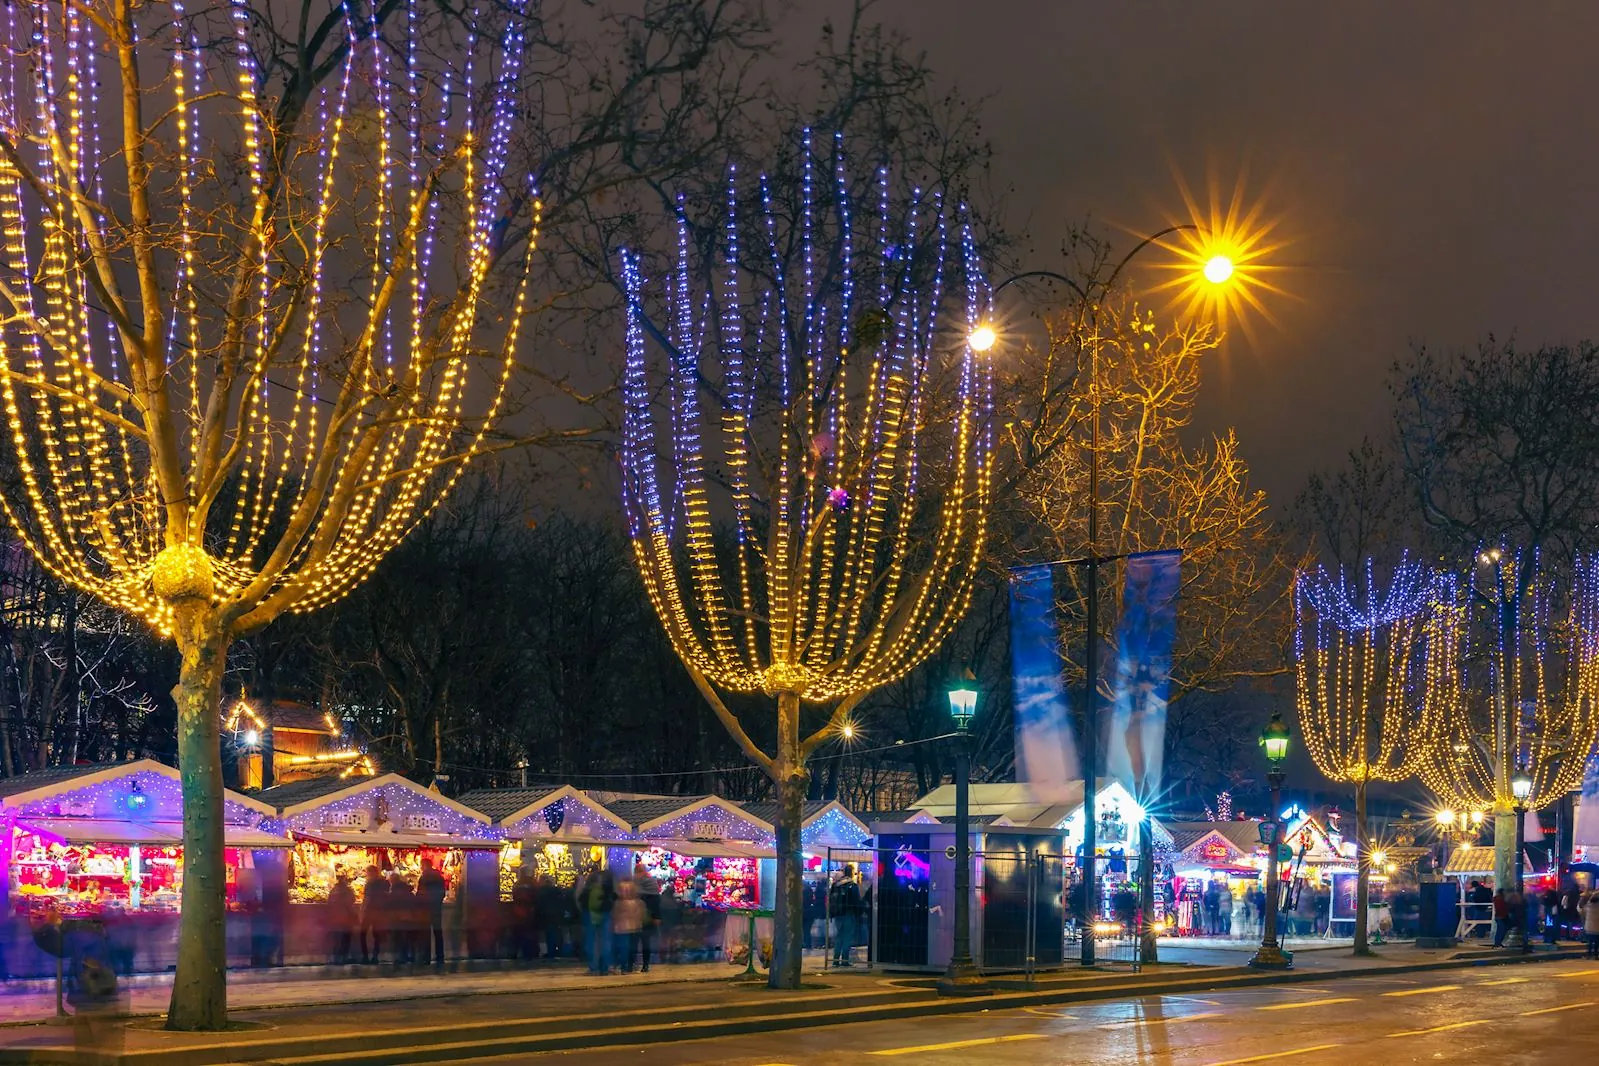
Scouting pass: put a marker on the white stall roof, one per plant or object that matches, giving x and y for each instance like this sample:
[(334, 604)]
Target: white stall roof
[(101, 831), (710, 849), (395, 840)]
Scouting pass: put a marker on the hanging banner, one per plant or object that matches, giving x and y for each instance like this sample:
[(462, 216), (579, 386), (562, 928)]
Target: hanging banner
[(1046, 757), (1144, 641)]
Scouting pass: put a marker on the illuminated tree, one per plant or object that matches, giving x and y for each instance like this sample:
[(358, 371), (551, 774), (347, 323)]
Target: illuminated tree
[(806, 530), (1357, 651), (254, 322), (1512, 683)]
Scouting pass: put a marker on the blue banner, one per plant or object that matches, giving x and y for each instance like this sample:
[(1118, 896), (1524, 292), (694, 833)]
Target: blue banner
[(1144, 642), (1046, 757)]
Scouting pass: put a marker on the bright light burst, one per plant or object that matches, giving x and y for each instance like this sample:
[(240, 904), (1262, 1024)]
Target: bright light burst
[(1223, 265)]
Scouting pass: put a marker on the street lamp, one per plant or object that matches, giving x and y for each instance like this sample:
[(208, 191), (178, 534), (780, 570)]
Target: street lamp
[(961, 977), (1521, 789), (1217, 270), (1274, 739)]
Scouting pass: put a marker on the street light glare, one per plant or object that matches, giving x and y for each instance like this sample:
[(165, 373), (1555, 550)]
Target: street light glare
[(1218, 268), (982, 338)]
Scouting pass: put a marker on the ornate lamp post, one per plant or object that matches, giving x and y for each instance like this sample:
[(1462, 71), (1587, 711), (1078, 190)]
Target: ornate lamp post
[(962, 978), (1217, 267), (1521, 789), (1274, 738)]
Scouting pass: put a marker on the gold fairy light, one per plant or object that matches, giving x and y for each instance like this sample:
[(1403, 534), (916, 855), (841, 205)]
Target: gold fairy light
[(238, 363), (1512, 681)]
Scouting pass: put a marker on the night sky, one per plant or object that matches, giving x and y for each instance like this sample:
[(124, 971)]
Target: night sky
[(1432, 165)]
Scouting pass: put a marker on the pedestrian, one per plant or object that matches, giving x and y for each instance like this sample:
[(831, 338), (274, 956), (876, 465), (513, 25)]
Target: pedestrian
[(1590, 921), (342, 917), (1501, 902), (844, 902), (1212, 901), (649, 892), (627, 918), (374, 915), (1571, 911), (431, 888), (524, 916), (597, 897), (402, 918), (1549, 902), (550, 914), (671, 922)]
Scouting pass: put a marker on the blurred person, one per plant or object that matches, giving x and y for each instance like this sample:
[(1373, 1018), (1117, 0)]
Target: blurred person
[(649, 892), (844, 901), (342, 918), (671, 922), (524, 916), (1589, 905), (551, 914), (1501, 902), (627, 918), (596, 896), (431, 888), (374, 917)]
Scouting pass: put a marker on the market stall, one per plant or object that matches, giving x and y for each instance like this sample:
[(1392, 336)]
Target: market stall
[(105, 842), (350, 827), (556, 832), (1226, 855)]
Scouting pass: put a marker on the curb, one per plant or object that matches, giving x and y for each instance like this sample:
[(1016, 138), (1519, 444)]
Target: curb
[(664, 1031)]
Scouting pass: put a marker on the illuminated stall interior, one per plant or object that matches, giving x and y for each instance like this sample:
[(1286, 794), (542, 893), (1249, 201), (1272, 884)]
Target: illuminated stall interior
[(92, 839), (716, 855), (300, 741), (557, 829), (341, 826)]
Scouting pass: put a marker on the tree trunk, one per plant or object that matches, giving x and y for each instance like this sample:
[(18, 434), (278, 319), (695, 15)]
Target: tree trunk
[(788, 915), (199, 988), (1505, 857), (1363, 874)]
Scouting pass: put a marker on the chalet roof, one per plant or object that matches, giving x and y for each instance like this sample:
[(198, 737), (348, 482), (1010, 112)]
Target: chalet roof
[(283, 714), (52, 775), (769, 812), (305, 790), (1245, 836), (636, 812), (501, 803)]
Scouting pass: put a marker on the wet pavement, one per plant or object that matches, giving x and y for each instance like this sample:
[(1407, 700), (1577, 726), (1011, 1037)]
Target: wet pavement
[(1509, 1015)]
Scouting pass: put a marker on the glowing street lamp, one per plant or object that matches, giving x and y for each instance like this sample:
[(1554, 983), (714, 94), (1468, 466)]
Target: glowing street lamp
[(1521, 789), (1274, 739), (1214, 271), (961, 977)]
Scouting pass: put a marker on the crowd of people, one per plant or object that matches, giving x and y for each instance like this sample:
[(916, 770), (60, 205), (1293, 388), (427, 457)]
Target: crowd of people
[(1561, 913), (397, 920)]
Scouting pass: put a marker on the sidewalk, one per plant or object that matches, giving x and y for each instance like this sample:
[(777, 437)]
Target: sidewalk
[(148, 993), (448, 1018)]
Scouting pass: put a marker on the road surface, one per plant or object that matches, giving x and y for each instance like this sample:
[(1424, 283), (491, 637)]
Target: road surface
[(1488, 1016)]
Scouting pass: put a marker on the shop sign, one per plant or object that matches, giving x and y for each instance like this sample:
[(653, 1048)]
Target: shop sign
[(77, 808), (1215, 851), (707, 831)]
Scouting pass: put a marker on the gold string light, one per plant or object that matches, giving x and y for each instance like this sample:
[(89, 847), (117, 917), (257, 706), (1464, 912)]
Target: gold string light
[(199, 402), (854, 530), (1512, 683)]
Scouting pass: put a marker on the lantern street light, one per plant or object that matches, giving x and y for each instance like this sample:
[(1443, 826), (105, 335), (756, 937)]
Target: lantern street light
[(1217, 270), (961, 977), (1521, 789), (1274, 739)]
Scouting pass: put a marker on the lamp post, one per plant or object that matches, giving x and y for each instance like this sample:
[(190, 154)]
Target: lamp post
[(961, 977), (1216, 270), (1274, 739), (1521, 789)]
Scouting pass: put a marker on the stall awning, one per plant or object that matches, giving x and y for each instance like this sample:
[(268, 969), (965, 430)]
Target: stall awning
[(576, 839), (710, 849), (396, 840), (100, 831), (237, 836)]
